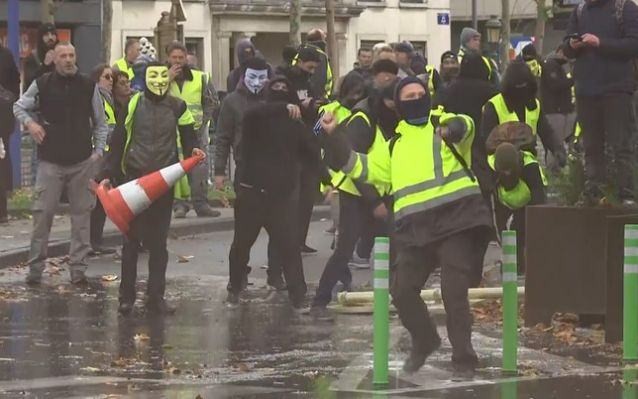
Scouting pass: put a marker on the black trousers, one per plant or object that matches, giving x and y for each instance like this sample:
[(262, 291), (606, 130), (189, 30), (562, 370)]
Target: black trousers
[(98, 218), (458, 256), (354, 213), (255, 210), (308, 189), (532, 177), (608, 124), (150, 228)]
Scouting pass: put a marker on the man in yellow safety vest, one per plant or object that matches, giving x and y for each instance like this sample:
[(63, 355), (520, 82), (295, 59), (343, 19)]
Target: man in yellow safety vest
[(131, 52)]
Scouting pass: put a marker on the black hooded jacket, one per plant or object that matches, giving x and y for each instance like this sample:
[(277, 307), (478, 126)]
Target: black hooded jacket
[(34, 64), (467, 95), (273, 145), (517, 73)]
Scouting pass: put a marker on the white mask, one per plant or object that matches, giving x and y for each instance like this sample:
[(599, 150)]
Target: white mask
[(255, 79)]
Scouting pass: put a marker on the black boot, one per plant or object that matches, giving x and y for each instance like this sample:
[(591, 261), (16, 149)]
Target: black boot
[(419, 352)]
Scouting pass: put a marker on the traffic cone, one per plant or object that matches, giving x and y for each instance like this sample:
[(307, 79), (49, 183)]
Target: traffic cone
[(123, 203)]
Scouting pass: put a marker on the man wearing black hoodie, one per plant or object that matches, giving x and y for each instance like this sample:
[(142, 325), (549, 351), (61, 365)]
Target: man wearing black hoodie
[(274, 144), (41, 60)]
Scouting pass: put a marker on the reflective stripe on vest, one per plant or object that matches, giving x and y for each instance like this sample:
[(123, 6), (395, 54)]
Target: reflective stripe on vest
[(341, 113), (128, 125), (504, 114), (429, 69), (110, 113), (421, 182), (347, 184), (191, 93), (123, 66)]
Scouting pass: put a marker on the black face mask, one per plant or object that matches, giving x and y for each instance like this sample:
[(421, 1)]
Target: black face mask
[(278, 96), (415, 112)]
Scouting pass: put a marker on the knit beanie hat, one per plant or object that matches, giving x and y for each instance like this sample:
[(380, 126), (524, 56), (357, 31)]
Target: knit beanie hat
[(468, 33)]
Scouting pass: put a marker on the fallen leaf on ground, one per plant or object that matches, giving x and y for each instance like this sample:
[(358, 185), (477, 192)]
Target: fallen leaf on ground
[(109, 277), (184, 258), (141, 337), (90, 369)]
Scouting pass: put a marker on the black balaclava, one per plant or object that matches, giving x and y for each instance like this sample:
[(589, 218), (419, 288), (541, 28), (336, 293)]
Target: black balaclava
[(387, 117), (352, 90), (414, 112), (42, 47), (273, 96), (519, 86), (473, 67)]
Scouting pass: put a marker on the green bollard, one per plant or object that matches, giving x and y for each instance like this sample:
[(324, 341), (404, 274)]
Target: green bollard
[(510, 303), (381, 335), (509, 389), (629, 376), (630, 294)]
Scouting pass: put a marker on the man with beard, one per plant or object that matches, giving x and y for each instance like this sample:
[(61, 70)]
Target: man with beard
[(274, 144), (438, 211), (41, 60), (197, 90), (144, 141), (517, 102), (449, 69), (71, 135)]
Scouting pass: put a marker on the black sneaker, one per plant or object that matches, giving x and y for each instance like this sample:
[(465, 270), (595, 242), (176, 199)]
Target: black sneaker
[(78, 278), (417, 357), (300, 306), (628, 203), (207, 212), (321, 313), (307, 250), (277, 283), (33, 279), (160, 307), (125, 308), (180, 213), (463, 372)]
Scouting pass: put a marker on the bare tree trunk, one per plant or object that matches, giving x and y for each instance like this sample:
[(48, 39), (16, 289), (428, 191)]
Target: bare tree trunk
[(107, 21), (295, 23), (333, 51), (539, 32), (505, 34)]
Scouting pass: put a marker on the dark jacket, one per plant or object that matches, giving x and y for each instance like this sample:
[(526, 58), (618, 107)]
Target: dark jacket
[(556, 88), (229, 127), (273, 147), (608, 68), (65, 113), (153, 143), (9, 80), (301, 84), (467, 95)]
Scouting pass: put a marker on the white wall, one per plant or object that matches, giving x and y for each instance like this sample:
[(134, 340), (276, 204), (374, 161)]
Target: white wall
[(139, 18), (393, 23), (462, 9)]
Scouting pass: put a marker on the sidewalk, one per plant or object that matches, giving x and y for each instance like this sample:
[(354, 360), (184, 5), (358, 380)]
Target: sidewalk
[(15, 237)]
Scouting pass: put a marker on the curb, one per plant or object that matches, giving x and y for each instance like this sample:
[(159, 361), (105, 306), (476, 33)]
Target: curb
[(114, 238)]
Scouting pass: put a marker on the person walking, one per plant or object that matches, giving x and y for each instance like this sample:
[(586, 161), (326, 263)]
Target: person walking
[(438, 211), (144, 141), (274, 144), (71, 135), (197, 90)]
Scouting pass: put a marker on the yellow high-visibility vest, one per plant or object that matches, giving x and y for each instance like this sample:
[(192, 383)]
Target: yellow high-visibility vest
[(123, 66), (192, 93), (504, 114)]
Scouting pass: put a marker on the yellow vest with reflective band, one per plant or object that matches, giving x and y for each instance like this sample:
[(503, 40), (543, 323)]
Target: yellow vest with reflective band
[(344, 182), (191, 92), (504, 114), (341, 113), (520, 195), (429, 69), (110, 119), (329, 78), (185, 119), (422, 171), (123, 66)]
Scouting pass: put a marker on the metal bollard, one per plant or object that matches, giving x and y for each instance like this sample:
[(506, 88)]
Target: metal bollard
[(381, 316), (510, 303), (630, 294)]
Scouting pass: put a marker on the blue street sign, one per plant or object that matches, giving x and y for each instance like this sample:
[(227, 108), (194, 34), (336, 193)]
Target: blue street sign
[(443, 18)]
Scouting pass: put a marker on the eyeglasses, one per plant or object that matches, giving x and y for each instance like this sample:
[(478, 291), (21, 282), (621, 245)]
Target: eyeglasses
[(108, 77)]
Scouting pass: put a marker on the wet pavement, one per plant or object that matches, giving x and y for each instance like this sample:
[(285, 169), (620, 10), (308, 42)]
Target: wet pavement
[(59, 341)]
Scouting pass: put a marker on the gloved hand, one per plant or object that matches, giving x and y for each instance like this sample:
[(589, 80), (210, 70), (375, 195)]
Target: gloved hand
[(3, 153), (561, 157)]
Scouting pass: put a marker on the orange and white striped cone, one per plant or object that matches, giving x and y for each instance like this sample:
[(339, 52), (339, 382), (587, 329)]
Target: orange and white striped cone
[(123, 203)]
